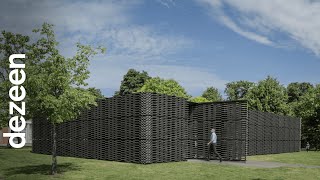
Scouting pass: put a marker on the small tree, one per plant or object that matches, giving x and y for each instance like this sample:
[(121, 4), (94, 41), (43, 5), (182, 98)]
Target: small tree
[(162, 86), (212, 94), (55, 84), (132, 81), (237, 90), (268, 96)]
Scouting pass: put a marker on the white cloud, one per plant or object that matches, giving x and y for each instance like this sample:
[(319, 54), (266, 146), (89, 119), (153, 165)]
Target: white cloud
[(107, 74), (108, 23), (143, 41), (298, 20), (132, 42), (250, 35), (96, 22), (83, 17), (192, 78), (167, 3)]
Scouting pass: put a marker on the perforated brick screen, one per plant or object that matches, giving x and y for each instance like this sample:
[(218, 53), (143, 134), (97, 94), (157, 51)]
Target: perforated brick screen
[(270, 133), (150, 128)]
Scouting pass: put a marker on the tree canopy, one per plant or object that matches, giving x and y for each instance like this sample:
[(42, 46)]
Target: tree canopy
[(212, 94), (199, 99), (132, 81), (308, 109), (163, 86), (237, 90), (54, 83), (296, 90), (96, 92), (268, 96), (10, 43)]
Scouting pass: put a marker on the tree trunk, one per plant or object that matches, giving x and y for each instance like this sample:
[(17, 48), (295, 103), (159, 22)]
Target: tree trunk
[(54, 150), (19, 140), (8, 144)]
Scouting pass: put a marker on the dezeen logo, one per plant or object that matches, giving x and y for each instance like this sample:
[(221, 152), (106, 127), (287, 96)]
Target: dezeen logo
[(17, 94)]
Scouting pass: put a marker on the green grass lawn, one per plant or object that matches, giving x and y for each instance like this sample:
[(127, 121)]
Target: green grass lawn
[(303, 157), (21, 164)]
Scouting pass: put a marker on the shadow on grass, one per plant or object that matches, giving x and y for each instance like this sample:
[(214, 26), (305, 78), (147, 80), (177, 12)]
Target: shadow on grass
[(43, 169)]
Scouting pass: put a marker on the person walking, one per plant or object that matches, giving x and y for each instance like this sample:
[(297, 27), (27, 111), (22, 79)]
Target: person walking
[(308, 147), (213, 145)]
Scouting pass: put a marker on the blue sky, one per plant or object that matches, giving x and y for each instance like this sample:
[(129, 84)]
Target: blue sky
[(199, 43)]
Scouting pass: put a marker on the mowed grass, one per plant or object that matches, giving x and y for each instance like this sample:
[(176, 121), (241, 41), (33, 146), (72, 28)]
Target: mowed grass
[(22, 164), (303, 157)]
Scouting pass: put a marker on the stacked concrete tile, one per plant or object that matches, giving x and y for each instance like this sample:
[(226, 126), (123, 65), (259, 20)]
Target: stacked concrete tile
[(151, 128), (270, 133), (229, 119), (140, 128)]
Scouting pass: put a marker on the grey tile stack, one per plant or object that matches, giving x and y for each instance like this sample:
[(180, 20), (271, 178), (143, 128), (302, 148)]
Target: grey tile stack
[(149, 128), (229, 119), (164, 127), (41, 136), (140, 128), (270, 133), (110, 131)]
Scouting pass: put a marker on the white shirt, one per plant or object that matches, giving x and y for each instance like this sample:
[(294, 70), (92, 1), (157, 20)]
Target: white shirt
[(213, 138)]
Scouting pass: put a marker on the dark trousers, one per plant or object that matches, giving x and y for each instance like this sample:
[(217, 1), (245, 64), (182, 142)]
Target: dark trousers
[(212, 147)]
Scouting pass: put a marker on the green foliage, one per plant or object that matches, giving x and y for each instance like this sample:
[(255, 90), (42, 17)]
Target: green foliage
[(132, 82), (199, 99), (54, 82), (268, 96), (163, 86), (212, 94), (237, 90), (9, 44), (96, 92), (296, 90), (308, 108)]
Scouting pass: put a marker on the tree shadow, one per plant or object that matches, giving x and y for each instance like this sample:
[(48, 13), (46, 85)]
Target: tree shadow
[(43, 169)]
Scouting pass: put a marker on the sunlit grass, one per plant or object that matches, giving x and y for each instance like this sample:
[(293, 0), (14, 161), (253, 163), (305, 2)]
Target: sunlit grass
[(22, 164), (303, 157)]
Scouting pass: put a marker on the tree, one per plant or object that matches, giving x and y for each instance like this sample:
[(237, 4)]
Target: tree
[(132, 81), (308, 109), (54, 83), (199, 99), (96, 92), (268, 96), (162, 86), (237, 90), (212, 94), (9, 44), (296, 90)]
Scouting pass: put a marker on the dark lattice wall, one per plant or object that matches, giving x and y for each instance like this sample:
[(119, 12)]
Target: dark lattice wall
[(150, 128), (230, 120), (140, 128), (270, 133)]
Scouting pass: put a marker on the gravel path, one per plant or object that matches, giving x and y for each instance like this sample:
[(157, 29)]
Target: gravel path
[(257, 164)]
